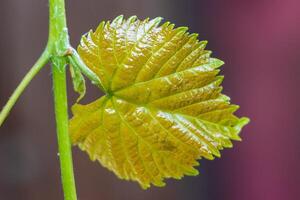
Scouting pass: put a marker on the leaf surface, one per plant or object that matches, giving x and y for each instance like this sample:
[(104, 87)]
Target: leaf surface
[(163, 109)]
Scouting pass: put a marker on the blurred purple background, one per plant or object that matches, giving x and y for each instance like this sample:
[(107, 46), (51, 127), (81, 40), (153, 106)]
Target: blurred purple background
[(259, 40)]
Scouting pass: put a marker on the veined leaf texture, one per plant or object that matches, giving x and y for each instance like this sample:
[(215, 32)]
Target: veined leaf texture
[(163, 109)]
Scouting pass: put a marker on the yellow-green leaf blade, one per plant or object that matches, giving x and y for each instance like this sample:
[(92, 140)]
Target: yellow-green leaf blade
[(164, 109)]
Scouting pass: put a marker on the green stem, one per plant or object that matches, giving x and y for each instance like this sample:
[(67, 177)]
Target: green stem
[(58, 31), (59, 43), (61, 114), (24, 83), (57, 47)]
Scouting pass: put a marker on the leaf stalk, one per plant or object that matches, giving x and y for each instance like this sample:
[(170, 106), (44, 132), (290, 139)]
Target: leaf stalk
[(76, 61)]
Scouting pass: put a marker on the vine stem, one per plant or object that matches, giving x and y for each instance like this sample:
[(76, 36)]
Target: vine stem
[(59, 44), (56, 51), (61, 114), (40, 63)]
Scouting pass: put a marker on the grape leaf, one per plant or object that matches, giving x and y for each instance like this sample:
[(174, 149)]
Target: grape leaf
[(163, 109)]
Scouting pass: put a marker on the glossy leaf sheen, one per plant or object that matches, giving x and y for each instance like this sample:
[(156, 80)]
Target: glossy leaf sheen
[(163, 109)]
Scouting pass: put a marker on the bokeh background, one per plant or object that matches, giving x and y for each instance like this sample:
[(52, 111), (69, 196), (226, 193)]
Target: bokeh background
[(259, 40)]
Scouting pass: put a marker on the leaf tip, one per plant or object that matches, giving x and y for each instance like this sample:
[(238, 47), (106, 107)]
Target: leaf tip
[(216, 63), (132, 19), (182, 29), (156, 21), (118, 20), (244, 121)]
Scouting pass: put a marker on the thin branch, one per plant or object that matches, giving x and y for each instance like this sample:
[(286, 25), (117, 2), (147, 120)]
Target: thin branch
[(40, 63)]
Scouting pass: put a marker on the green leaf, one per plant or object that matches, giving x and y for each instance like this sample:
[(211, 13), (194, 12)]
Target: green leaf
[(78, 82), (163, 110)]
